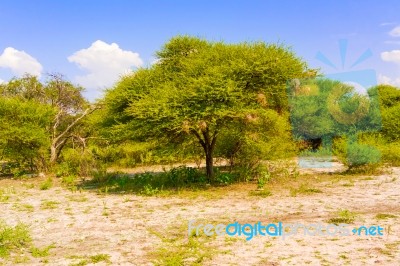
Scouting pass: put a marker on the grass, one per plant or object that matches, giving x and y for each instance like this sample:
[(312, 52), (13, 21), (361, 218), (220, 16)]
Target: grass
[(48, 183), (4, 198), (179, 249), (99, 258), (49, 205), (69, 180), (85, 260), (77, 198), (13, 238), (304, 189), (24, 207), (384, 216), (260, 193), (5, 193), (41, 252), (343, 217)]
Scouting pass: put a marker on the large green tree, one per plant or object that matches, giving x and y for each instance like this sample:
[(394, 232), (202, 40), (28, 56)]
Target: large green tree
[(23, 134), (198, 88)]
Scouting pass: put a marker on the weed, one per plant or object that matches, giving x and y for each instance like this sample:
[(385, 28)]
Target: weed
[(24, 207), (384, 216), (69, 180), (343, 217), (148, 190), (46, 184), (13, 239), (178, 249), (100, 257), (49, 204), (41, 252), (78, 198), (260, 193), (304, 189)]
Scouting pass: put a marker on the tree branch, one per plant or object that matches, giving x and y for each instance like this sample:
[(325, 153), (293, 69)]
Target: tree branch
[(201, 141)]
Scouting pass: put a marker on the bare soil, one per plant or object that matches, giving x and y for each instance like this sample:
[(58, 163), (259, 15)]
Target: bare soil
[(133, 229)]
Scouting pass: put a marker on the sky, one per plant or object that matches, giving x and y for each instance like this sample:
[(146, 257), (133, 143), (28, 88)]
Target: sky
[(93, 42)]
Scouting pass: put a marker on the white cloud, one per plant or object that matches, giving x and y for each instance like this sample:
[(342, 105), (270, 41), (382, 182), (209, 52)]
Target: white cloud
[(2, 81), (382, 79), (104, 64), (391, 56), (20, 62), (392, 42), (395, 32), (387, 23)]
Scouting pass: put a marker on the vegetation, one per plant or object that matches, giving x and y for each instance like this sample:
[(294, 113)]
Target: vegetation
[(201, 92), (245, 104)]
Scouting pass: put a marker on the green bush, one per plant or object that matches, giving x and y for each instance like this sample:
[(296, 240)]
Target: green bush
[(78, 163), (361, 154)]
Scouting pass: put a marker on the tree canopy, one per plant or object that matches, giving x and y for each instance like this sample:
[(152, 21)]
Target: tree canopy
[(197, 88)]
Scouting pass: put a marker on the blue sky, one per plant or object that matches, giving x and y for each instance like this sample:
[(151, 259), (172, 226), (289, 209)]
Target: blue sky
[(93, 42)]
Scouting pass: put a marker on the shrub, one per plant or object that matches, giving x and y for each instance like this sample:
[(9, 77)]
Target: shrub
[(78, 163), (46, 184), (361, 154)]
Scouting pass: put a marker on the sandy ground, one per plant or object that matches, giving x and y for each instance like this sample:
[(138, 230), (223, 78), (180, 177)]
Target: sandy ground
[(131, 228)]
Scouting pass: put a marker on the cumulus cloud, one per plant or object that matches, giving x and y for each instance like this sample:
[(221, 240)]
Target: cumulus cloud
[(382, 79), (391, 56), (19, 62), (104, 64), (395, 32)]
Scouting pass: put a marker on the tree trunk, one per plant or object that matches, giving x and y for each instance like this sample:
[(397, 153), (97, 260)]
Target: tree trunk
[(209, 164), (208, 144), (53, 154)]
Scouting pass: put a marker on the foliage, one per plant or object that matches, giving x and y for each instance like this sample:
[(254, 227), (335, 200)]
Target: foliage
[(199, 88), (361, 154), (389, 98), (23, 136), (331, 109), (151, 183), (39, 118)]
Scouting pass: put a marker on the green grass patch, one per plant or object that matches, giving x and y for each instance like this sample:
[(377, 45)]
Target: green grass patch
[(24, 207), (49, 204), (48, 183), (343, 217), (99, 258), (304, 189), (260, 193), (384, 216), (179, 249), (85, 260), (41, 252), (13, 238)]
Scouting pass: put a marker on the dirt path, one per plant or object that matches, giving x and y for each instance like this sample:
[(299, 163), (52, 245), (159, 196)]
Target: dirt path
[(132, 229)]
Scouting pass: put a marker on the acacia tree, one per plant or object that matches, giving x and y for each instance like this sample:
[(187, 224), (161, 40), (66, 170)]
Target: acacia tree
[(65, 100), (197, 88)]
